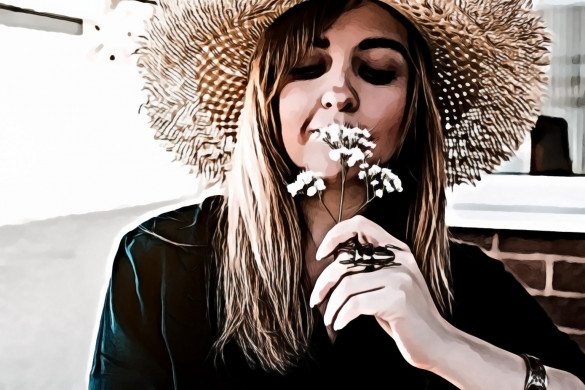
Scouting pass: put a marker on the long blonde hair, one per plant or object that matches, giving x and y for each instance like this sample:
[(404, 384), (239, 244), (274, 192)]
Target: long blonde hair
[(262, 292)]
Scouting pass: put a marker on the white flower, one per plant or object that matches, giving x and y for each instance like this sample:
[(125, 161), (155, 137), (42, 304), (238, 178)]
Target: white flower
[(374, 182), (366, 143), (390, 181), (320, 184), (379, 193), (346, 132), (362, 175), (335, 154), (293, 188), (345, 151), (389, 173), (307, 183), (374, 169), (364, 166), (333, 131), (356, 154), (307, 176)]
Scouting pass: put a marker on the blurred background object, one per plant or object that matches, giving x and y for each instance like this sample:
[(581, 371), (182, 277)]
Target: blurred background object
[(550, 148)]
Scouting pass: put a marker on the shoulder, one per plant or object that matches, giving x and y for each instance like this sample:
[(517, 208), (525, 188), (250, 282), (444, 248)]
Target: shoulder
[(186, 223), (178, 236), (488, 297), (470, 261), (481, 284)]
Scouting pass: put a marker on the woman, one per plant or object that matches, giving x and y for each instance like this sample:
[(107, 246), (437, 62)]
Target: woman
[(248, 288)]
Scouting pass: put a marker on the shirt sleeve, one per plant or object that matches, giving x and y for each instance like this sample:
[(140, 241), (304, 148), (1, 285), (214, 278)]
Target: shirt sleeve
[(130, 350), (493, 306)]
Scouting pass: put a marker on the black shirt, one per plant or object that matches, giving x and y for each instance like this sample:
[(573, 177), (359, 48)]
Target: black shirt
[(155, 331)]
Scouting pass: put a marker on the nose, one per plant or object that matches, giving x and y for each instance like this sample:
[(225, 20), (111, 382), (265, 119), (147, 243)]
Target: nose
[(341, 95)]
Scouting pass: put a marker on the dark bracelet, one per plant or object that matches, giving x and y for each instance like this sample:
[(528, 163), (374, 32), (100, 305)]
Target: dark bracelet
[(535, 373)]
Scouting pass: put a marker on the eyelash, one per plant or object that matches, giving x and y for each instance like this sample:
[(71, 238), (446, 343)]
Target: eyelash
[(374, 76)]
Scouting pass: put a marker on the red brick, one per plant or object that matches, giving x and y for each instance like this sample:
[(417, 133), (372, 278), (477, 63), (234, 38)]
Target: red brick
[(479, 237), (569, 276), (531, 273), (568, 244), (567, 312), (579, 339)]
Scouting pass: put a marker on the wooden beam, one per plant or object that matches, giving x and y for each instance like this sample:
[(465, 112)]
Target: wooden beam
[(12, 16)]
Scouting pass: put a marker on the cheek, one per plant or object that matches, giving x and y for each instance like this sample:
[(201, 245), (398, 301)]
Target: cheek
[(384, 105), (385, 109), (293, 109)]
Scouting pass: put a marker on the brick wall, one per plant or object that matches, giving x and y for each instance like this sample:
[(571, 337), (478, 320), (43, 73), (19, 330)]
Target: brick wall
[(550, 265)]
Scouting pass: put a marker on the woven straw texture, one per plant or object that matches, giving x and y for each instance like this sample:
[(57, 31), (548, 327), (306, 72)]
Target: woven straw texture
[(490, 58)]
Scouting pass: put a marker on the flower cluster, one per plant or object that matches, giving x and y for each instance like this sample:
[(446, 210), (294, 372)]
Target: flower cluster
[(348, 146), (307, 183), (380, 179)]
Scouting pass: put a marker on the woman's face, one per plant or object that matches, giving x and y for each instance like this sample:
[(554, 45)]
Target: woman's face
[(357, 74)]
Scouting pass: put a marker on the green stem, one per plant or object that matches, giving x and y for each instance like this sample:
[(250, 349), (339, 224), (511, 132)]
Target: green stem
[(326, 208)]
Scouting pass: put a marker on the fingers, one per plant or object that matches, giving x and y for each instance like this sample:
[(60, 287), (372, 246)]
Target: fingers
[(357, 289), (377, 302), (349, 287), (367, 303), (366, 230), (330, 277), (341, 232)]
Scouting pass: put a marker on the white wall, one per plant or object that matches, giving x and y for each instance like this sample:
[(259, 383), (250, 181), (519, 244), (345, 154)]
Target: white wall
[(71, 138)]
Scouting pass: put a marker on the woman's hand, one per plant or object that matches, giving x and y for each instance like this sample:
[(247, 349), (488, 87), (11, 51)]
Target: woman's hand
[(396, 296)]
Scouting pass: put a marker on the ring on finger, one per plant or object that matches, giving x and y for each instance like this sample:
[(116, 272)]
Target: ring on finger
[(366, 254)]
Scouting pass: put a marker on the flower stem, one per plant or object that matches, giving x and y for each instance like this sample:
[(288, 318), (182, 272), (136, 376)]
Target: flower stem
[(367, 188), (362, 206), (368, 200), (326, 208), (343, 168)]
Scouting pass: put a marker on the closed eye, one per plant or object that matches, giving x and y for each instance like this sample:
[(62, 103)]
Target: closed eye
[(308, 72), (371, 75), (377, 77)]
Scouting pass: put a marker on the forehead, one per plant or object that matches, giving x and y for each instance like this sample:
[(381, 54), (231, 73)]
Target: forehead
[(367, 20)]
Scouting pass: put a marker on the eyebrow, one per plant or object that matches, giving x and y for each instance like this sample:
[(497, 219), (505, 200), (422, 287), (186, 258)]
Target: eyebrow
[(373, 43), (370, 43)]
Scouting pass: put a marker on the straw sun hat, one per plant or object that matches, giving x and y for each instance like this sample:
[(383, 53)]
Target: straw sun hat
[(490, 58)]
